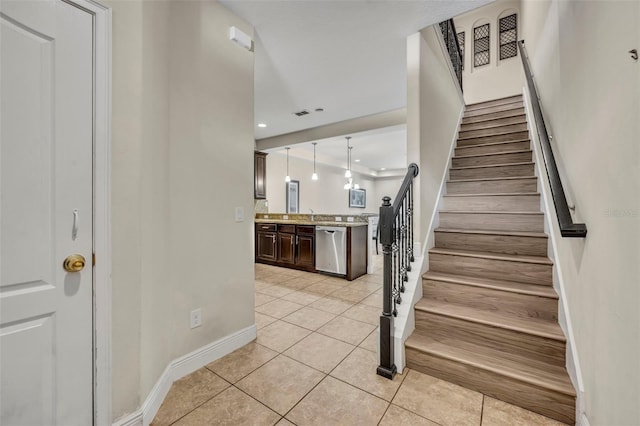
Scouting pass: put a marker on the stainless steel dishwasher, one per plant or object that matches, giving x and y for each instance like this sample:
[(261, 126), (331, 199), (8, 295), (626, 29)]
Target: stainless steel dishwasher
[(331, 249)]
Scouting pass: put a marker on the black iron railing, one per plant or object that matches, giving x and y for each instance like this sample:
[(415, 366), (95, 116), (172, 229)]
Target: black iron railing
[(567, 227), (451, 41), (396, 237)]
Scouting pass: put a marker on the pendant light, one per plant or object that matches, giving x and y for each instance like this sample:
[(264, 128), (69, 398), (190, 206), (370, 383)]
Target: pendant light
[(347, 173), (287, 178), (314, 176)]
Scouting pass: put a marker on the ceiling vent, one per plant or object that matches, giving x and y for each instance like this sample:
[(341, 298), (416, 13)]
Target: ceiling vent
[(301, 113)]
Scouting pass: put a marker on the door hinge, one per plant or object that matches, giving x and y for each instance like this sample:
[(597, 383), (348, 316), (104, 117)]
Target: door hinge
[(93, 259)]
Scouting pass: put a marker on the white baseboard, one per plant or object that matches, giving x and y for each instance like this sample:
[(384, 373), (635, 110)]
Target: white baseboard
[(181, 367), (552, 229)]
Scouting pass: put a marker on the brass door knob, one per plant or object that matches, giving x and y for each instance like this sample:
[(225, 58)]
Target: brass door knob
[(74, 263)]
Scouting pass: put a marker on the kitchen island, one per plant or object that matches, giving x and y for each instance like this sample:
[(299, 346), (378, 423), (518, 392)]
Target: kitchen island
[(335, 245)]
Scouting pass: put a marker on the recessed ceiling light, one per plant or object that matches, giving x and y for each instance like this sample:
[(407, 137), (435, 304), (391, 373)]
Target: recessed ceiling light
[(383, 168), (262, 125), (357, 161)]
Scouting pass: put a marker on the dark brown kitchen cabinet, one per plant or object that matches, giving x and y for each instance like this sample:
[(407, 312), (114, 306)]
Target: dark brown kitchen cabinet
[(260, 175), (286, 248), (286, 245), (266, 242), (306, 246)]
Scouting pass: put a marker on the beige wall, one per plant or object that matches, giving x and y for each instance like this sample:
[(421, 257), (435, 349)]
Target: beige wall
[(182, 161), (499, 78), (590, 91), (433, 113), (324, 196)]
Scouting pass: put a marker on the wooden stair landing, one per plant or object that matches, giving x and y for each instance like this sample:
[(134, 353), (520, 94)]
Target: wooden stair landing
[(488, 319)]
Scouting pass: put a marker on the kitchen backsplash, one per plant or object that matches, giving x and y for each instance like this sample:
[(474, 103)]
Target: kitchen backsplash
[(261, 206), (317, 217)]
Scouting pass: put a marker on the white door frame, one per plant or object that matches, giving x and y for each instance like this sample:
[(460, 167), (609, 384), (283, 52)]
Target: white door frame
[(101, 208)]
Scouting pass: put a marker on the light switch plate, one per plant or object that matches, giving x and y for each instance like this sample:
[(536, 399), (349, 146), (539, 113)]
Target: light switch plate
[(239, 214)]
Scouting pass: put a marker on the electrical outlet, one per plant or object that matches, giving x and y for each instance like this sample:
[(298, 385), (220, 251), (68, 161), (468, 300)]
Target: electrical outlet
[(196, 318), (338, 218), (285, 216), (350, 219)]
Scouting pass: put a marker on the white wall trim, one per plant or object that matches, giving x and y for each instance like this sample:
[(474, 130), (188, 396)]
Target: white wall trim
[(404, 323), (445, 53), (552, 228), (434, 221), (101, 208), (183, 366)]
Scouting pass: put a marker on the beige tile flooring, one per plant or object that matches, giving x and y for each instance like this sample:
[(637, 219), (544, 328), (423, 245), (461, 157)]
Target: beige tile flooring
[(314, 363)]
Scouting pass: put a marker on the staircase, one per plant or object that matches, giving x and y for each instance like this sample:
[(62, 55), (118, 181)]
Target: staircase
[(489, 316)]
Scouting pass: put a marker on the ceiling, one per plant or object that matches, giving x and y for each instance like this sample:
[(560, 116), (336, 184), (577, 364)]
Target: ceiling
[(345, 56), (367, 147)]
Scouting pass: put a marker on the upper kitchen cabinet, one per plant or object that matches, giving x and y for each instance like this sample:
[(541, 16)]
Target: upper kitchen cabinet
[(260, 175)]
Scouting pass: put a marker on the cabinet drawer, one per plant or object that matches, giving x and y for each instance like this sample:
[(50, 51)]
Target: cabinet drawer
[(289, 229), (266, 227), (304, 229)]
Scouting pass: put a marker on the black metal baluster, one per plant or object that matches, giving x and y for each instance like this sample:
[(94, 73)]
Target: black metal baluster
[(396, 237)]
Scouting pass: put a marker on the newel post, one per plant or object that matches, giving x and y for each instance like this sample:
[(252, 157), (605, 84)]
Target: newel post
[(387, 367)]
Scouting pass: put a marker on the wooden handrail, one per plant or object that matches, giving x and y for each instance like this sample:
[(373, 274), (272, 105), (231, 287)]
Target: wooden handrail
[(567, 227)]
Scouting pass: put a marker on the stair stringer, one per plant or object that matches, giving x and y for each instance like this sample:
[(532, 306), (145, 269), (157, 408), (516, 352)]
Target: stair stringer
[(404, 323), (552, 229)]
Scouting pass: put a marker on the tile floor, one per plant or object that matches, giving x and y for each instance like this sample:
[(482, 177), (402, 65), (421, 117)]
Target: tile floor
[(314, 363)]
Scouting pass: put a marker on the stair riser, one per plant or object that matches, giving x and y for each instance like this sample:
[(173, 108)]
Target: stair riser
[(493, 159), (519, 127), (514, 136), (492, 123), (492, 222), (510, 186), (516, 170), (479, 118), (530, 273), (494, 102), (493, 148), (547, 402), (493, 203), (506, 244), (493, 109), (520, 305)]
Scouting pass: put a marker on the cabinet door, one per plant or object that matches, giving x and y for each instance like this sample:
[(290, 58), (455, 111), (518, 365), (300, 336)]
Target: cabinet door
[(286, 248), (305, 253), (260, 175), (266, 246)]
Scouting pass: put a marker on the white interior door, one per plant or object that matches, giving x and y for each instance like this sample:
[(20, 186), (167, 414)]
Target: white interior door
[(46, 149)]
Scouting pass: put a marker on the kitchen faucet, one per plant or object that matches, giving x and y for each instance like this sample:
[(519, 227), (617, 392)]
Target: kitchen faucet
[(312, 214)]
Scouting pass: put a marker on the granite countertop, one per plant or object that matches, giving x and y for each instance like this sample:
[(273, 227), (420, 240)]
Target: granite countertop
[(310, 222)]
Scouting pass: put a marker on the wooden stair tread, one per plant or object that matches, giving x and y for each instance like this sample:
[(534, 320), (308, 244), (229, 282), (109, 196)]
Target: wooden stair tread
[(492, 153), (490, 212), (533, 326), (491, 179), (492, 194), (484, 145), (489, 120), (491, 135), (527, 163), (544, 375), (494, 256), (523, 121), (507, 99), (495, 115), (509, 286), (488, 232)]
